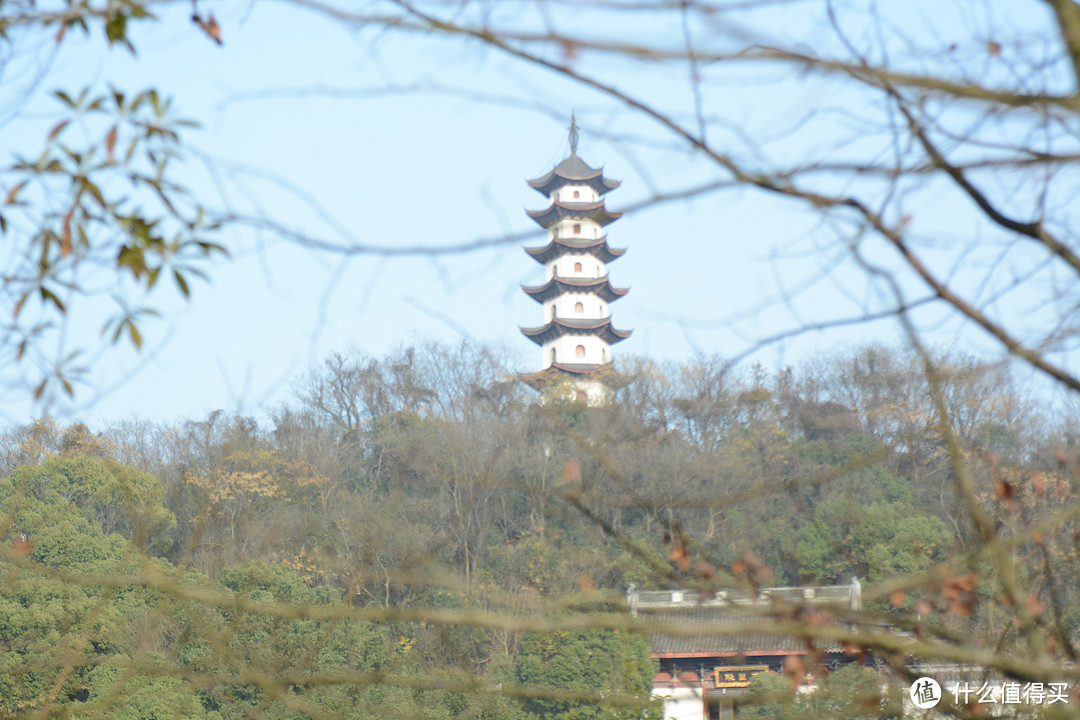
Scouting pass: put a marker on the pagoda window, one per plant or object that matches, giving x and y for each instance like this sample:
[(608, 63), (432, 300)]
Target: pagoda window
[(576, 194), (553, 355), (577, 267), (579, 307), (577, 228), (581, 397), (579, 351)]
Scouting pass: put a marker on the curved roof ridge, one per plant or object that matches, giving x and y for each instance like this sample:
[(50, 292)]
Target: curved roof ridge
[(565, 326), (573, 170), (558, 284), (559, 246), (558, 210)]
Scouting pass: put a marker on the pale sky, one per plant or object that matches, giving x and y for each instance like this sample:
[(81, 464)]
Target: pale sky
[(408, 140)]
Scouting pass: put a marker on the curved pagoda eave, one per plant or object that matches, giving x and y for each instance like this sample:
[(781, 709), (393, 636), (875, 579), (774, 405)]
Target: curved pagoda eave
[(556, 286), (576, 211), (560, 246), (559, 327), (605, 373), (573, 171)]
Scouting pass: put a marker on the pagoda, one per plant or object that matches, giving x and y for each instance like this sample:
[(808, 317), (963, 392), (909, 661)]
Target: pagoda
[(577, 333)]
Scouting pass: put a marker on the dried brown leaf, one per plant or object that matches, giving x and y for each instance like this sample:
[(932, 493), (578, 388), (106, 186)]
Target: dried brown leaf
[(65, 234), (571, 473), (13, 193), (22, 546), (1061, 456), (57, 129), (680, 557), (794, 670), (110, 142)]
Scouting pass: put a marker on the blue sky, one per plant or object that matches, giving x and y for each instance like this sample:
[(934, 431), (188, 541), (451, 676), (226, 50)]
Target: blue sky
[(406, 140)]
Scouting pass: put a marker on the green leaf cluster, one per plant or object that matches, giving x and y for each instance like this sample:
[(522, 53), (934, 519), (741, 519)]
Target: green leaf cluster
[(607, 662)]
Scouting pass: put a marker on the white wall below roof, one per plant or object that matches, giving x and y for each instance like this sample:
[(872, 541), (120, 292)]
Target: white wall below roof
[(593, 308), (596, 393), (597, 352), (566, 194), (590, 266), (681, 703), (590, 230)]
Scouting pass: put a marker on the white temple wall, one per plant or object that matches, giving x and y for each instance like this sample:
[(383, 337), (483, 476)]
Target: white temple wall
[(585, 229), (592, 307), (596, 393), (585, 194), (595, 351), (567, 265), (681, 703)]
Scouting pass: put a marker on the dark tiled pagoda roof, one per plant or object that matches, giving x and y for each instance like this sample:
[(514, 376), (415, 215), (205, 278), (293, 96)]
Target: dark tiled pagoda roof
[(564, 326), (597, 247), (572, 368), (582, 368), (557, 286), (605, 373), (578, 211), (573, 171)]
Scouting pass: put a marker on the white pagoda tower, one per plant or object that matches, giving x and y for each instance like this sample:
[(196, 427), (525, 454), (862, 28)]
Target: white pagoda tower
[(577, 334)]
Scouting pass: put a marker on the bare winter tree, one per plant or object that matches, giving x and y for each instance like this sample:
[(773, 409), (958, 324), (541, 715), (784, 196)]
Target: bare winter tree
[(934, 146)]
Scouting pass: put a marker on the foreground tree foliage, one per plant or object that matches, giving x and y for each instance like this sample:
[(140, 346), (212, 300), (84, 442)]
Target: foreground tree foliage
[(467, 556), (850, 692)]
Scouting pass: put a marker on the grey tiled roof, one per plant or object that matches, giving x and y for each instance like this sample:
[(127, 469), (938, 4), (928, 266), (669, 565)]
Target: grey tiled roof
[(560, 246), (556, 286), (582, 368), (605, 373), (596, 212), (573, 170), (719, 630), (558, 327), (684, 622)]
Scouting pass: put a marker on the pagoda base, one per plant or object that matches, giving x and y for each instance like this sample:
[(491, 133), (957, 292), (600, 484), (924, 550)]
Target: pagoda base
[(592, 385)]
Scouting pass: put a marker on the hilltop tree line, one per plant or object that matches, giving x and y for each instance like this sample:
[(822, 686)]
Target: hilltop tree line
[(416, 535)]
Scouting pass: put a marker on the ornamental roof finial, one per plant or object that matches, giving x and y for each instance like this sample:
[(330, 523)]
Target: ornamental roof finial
[(573, 134)]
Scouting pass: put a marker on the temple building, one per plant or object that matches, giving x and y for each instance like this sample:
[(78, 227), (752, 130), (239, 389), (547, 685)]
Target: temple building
[(577, 334), (710, 648)]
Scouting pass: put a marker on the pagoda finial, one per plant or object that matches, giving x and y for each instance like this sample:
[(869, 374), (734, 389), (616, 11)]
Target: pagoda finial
[(573, 134)]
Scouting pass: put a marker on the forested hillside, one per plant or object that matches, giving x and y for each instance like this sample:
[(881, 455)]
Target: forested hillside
[(415, 536)]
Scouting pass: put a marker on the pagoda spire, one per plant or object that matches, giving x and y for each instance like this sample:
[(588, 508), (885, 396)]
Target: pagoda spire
[(576, 337), (573, 135)]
